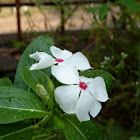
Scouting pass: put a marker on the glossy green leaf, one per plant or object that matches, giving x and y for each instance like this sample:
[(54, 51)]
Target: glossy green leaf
[(74, 130), (129, 3), (28, 133), (24, 134), (34, 77), (6, 82), (22, 131), (103, 10), (94, 73), (41, 44), (17, 104), (94, 9), (11, 128), (58, 122)]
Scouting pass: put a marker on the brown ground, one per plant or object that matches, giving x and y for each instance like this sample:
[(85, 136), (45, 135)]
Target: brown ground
[(33, 20)]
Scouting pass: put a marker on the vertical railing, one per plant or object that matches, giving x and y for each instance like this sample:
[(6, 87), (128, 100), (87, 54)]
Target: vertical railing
[(19, 36), (18, 4), (62, 21)]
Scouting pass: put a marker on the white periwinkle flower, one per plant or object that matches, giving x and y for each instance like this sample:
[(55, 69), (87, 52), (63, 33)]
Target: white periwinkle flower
[(83, 98), (68, 64)]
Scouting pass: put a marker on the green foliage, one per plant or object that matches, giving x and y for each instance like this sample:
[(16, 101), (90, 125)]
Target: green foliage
[(17, 104), (103, 10), (6, 129), (51, 88), (6, 82), (94, 9), (21, 131), (23, 134), (129, 3), (34, 77), (117, 132), (18, 44), (42, 43), (58, 122), (135, 138), (94, 73), (74, 130)]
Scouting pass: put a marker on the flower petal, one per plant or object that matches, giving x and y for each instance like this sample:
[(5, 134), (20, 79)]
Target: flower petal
[(83, 106), (95, 108), (85, 79), (67, 97), (98, 89), (65, 74), (58, 53), (80, 61), (38, 55), (45, 62)]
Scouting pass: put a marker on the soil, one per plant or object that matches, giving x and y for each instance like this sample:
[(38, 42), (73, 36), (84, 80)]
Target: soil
[(32, 19)]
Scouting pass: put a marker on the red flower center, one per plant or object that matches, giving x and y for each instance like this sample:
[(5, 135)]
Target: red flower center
[(83, 85), (59, 60)]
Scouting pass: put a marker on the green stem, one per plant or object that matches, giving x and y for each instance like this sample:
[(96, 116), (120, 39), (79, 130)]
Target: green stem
[(40, 136), (105, 30), (49, 103), (44, 120)]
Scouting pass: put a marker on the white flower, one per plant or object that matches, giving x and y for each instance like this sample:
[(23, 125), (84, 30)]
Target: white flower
[(68, 64), (83, 98), (106, 58)]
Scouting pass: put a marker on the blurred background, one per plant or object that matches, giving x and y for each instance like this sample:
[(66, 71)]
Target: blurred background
[(106, 32)]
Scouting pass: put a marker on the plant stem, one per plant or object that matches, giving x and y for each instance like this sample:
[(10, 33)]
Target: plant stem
[(105, 30), (44, 120)]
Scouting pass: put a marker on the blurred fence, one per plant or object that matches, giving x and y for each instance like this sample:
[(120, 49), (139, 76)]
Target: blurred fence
[(19, 3)]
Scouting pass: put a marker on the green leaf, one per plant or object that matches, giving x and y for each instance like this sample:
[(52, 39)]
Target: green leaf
[(103, 10), (94, 9), (41, 44), (17, 104), (58, 123), (28, 133), (6, 82), (94, 73), (74, 130), (129, 3), (34, 77), (23, 134), (10, 128)]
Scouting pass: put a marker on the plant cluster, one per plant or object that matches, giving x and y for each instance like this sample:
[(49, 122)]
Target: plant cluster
[(38, 87)]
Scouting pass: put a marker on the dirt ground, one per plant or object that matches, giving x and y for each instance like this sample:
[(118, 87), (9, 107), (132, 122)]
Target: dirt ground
[(33, 19)]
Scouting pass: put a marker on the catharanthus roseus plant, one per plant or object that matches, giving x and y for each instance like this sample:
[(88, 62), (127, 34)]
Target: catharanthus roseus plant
[(53, 89)]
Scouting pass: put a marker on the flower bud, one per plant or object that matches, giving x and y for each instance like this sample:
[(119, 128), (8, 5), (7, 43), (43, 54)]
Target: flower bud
[(41, 91), (51, 88), (124, 55)]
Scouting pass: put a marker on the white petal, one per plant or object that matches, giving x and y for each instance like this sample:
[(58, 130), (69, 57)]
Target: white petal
[(67, 97), (98, 89), (83, 106), (80, 61), (38, 55), (95, 108), (85, 79), (65, 74), (58, 53), (45, 62)]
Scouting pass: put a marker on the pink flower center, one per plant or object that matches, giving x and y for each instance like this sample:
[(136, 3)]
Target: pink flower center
[(59, 60), (83, 85)]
